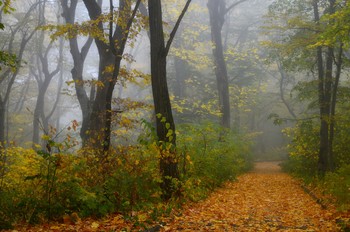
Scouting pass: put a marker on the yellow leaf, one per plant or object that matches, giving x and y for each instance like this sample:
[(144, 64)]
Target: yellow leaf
[(94, 225)]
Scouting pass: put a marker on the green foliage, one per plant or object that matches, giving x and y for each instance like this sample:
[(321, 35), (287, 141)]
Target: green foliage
[(7, 59), (303, 150), (6, 6), (303, 157), (337, 29), (208, 158), (338, 184), (48, 184)]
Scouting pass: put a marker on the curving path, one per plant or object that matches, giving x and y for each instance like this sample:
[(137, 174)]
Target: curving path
[(263, 200)]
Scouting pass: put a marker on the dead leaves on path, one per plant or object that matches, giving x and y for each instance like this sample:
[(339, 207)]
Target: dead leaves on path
[(261, 201), (257, 202)]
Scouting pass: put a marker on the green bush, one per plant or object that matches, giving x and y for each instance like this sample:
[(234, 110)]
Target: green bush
[(338, 184), (209, 157), (303, 159), (40, 185), (303, 150)]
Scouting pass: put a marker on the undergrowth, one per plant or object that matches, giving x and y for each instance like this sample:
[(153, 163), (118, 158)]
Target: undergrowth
[(40, 185), (303, 156)]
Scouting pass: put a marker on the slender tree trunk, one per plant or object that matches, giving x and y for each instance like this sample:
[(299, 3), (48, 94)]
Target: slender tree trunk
[(333, 107), (325, 95), (181, 70), (44, 76), (2, 123), (168, 163), (283, 77), (323, 149), (79, 56), (217, 11)]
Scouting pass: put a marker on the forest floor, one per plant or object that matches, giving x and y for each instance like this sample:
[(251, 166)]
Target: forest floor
[(263, 200)]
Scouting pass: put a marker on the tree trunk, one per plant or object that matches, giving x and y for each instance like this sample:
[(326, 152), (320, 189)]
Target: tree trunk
[(325, 95), (283, 78), (323, 149), (181, 70), (101, 105), (217, 11), (339, 64), (164, 118), (10, 76), (2, 123), (99, 131), (79, 56)]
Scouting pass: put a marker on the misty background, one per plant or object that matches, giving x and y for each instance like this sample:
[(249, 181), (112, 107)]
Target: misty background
[(42, 97)]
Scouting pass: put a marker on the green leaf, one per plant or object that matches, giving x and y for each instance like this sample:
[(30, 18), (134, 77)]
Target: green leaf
[(163, 119), (170, 133)]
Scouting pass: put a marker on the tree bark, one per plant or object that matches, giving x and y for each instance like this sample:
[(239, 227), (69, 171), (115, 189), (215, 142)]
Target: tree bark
[(217, 11), (162, 106), (327, 90), (165, 125), (323, 149), (2, 123), (97, 111), (333, 106)]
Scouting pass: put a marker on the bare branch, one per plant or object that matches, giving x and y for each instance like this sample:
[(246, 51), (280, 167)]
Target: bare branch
[(173, 33), (86, 47), (234, 5)]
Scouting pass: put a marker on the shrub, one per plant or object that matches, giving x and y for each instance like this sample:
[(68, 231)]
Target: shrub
[(303, 159), (338, 184), (41, 185), (303, 150), (209, 158)]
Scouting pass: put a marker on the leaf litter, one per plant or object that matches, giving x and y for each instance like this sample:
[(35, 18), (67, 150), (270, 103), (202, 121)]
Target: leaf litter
[(263, 200)]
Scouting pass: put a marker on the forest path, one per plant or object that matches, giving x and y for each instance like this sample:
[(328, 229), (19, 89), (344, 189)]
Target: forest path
[(263, 200)]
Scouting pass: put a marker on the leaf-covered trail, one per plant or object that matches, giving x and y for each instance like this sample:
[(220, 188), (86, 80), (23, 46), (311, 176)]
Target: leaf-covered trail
[(264, 200)]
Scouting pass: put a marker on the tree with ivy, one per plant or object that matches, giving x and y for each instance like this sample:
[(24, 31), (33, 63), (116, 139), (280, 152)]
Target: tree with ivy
[(165, 126)]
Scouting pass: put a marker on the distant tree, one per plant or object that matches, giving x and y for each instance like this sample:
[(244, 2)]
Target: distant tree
[(97, 109), (327, 93), (217, 13), (6, 59), (19, 36), (79, 55), (312, 47), (43, 75)]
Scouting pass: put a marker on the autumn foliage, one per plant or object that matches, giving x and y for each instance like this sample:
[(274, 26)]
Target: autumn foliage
[(37, 185)]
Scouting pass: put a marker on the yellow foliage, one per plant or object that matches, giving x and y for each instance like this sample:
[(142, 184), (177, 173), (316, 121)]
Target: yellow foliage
[(20, 163)]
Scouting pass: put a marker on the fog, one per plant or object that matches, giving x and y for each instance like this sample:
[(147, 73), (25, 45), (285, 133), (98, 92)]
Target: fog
[(253, 80)]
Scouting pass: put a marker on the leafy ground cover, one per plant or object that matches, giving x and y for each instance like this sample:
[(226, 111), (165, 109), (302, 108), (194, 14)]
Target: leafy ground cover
[(262, 200)]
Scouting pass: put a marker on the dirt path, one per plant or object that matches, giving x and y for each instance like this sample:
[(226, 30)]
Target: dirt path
[(263, 200)]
